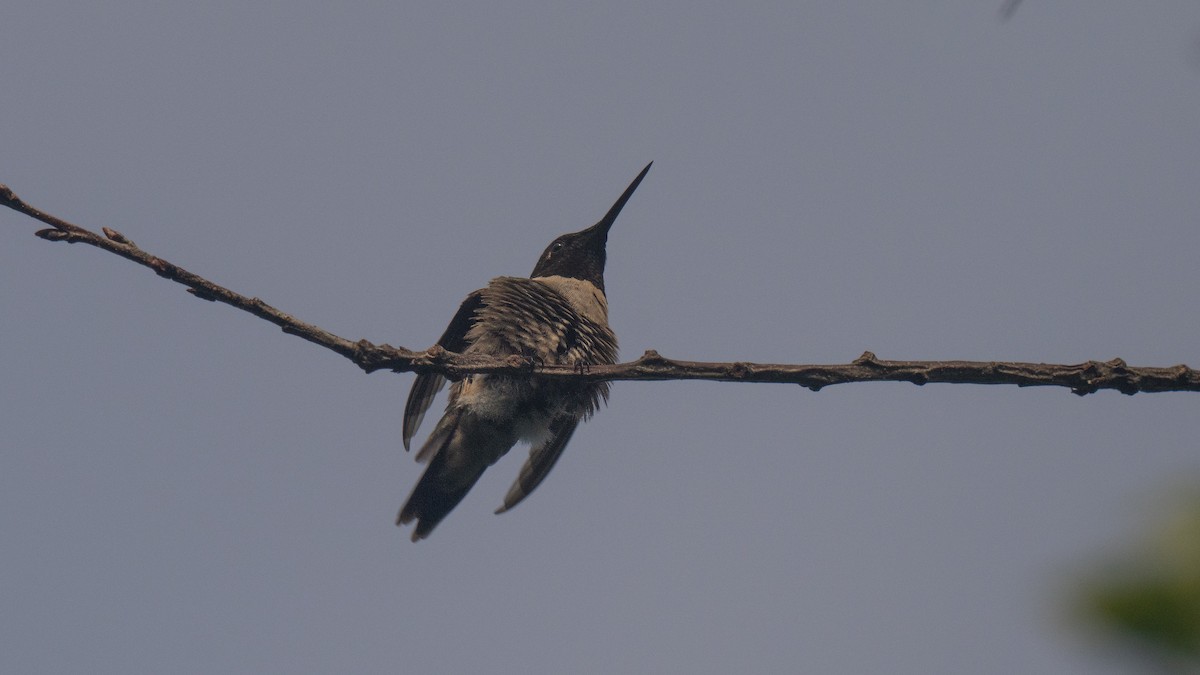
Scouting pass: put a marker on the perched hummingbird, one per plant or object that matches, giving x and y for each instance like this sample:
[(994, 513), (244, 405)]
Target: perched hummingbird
[(559, 315)]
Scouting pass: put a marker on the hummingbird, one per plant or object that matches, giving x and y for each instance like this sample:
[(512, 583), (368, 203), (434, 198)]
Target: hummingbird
[(559, 315)]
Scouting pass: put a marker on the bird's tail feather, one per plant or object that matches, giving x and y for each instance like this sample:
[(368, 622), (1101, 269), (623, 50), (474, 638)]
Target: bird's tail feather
[(459, 450), (432, 499)]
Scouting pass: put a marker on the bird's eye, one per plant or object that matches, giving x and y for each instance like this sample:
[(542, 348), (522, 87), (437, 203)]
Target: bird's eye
[(556, 246)]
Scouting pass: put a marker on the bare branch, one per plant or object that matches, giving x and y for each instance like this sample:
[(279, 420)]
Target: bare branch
[(1083, 378)]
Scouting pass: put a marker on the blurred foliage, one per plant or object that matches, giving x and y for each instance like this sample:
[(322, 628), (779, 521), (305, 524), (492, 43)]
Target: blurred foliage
[(1149, 599)]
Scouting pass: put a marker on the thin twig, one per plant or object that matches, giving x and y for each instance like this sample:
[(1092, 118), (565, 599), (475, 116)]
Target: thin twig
[(1009, 9), (1083, 378)]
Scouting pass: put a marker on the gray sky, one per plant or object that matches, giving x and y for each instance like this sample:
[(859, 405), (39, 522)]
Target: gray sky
[(184, 488)]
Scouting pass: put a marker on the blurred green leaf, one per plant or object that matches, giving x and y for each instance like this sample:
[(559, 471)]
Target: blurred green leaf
[(1151, 597)]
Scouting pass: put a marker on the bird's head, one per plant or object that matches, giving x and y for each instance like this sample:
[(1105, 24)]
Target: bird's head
[(581, 255)]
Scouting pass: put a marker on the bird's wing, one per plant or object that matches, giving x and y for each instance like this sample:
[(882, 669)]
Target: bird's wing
[(427, 385), (541, 460)]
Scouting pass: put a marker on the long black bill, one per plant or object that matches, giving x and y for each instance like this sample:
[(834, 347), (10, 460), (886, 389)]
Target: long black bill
[(611, 217)]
